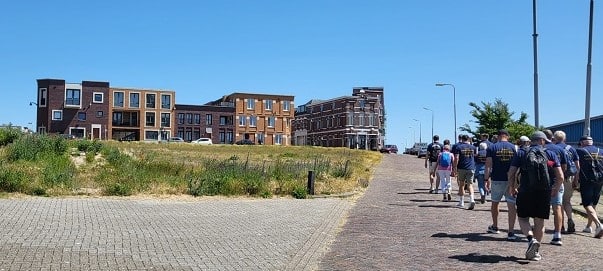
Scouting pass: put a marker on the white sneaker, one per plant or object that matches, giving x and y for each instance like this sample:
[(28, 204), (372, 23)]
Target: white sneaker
[(587, 230), (460, 205), (532, 252)]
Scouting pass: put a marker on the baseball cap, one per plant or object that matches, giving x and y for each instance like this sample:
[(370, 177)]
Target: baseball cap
[(538, 135), (549, 134), (586, 138), (503, 132), (524, 138)]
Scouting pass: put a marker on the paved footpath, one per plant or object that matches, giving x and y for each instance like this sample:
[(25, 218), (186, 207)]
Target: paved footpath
[(398, 225), (395, 225)]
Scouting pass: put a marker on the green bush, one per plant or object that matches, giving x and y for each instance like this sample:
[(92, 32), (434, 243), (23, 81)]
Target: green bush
[(89, 146), (118, 189), (9, 135), (33, 147), (58, 172), (12, 179), (300, 192)]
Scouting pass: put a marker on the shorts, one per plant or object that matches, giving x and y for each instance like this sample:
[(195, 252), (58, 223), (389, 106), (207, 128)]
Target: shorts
[(432, 166), (533, 204), (498, 189), (558, 199), (568, 188), (590, 193), (465, 176)]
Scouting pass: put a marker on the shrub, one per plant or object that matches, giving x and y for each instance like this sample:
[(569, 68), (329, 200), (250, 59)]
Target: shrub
[(32, 147), (12, 180), (58, 172), (9, 135), (300, 192), (118, 189)]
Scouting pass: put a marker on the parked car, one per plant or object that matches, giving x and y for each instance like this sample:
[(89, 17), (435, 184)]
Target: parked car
[(175, 139), (245, 142), (202, 141), (67, 136), (422, 152), (389, 149)]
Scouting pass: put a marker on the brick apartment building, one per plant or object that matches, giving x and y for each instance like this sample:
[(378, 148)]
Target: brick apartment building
[(356, 121), (209, 121), (261, 118)]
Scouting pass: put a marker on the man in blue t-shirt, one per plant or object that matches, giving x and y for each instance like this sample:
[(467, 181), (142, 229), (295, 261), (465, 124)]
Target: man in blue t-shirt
[(464, 169), (498, 161), (589, 191), (433, 150), (568, 187), (556, 200), (534, 202)]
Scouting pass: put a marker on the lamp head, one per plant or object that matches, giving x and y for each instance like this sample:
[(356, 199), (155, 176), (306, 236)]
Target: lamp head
[(440, 84)]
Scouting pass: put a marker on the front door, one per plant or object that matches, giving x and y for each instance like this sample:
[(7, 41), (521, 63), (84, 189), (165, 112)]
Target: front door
[(96, 132)]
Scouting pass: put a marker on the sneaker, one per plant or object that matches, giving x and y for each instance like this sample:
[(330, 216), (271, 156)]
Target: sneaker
[(471, 205), (483, 199), (587, 230), (460, 205), (532, 251), (444, 198), (556, 241), (492, 229), (511, 236), (571, 226), (449, 197), (599, 232)]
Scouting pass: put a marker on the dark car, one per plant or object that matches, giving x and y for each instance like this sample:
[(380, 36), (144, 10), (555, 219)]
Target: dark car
[(389, 149), (245, 142)]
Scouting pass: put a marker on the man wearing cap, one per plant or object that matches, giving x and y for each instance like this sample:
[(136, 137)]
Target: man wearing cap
[(568, 186), (498, 161), (534, 203), (556, 200), (589, 191), (524, 142), (464, 169)]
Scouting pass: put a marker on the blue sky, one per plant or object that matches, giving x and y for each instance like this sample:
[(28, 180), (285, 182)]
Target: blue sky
[(311, 49)]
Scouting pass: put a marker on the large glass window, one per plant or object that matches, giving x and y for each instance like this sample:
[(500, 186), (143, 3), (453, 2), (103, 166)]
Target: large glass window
[(180, 119), (166, 101), (118, 99), (72, 97), (271, 121), (286, 105), (150, 100), (165, 119), (189, 118), (253, 121), (150, 118), (242, 120), (135, 100), (250, 103), (117, 118), (197, 118), (208, 119), (268, 104), (43, 97), (278, 139), (151, 135)]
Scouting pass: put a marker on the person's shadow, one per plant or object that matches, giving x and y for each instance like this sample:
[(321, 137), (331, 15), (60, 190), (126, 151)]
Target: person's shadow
[(485, 258)]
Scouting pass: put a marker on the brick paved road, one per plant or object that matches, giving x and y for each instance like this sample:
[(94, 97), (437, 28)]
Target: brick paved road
[(398, 225), (146, 234)]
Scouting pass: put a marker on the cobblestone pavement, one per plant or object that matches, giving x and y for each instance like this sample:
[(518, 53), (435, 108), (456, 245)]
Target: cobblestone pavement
[(398, 225), (156, 234)]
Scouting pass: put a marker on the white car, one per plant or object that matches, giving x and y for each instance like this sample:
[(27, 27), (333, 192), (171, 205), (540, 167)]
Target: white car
[(202, 141), (175, 139)]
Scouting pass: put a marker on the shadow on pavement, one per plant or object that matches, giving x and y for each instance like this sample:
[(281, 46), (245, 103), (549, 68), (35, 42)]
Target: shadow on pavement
[(472, 237), (480, 258)]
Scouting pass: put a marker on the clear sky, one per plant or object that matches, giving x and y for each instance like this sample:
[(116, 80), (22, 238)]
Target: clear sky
[(312, 49)]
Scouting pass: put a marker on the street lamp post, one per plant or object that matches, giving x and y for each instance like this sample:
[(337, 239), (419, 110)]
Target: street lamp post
[(431, 120), (420, 141), (588, 71), (454, 103)]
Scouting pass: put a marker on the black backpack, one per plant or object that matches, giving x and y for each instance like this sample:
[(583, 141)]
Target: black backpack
[(534, 169), (435, 152), (595, 174)]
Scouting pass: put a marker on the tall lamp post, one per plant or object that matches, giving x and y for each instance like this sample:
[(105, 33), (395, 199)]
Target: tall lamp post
[(454, 103), (535, 45), (420, 141), (431, 120), (588, 71)]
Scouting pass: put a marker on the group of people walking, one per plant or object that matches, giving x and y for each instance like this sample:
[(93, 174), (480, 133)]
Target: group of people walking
[(533, 175)]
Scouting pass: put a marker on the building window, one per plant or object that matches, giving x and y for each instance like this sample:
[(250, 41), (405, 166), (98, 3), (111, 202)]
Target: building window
[(242, 120), (189, 118), (135, 100), (118, 99), (166, 101), (222, 137), (286, 105), (81, 116), (361, 119), (118, 118), (197, 118), (250, 103), (180, 119), (150, 119), (72, 97), (271, 121), (57, 114), (268, 104), (150, 100), (100, 114), (278, 139), (253, 121), (165, 119), (43, 97), (229, 137), (98, 97), (151, 135), (260, 138), (208, 119)]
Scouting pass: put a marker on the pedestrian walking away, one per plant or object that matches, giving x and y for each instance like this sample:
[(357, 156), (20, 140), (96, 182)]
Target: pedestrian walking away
[(590, 189), (538, 167), (480, 169), (433, 151), (498, 161), (464, 169), (556, 200), (573, 166), (444, 169)]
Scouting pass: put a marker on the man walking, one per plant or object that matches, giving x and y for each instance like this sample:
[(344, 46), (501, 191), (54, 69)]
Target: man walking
[(464, 169), (433, 150), (573, 166), (535, 190), (556, 200), (498, 161), (589, 190)]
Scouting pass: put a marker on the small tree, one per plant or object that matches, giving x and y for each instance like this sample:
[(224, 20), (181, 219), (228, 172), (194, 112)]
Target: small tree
[(491, 117)]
